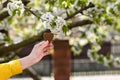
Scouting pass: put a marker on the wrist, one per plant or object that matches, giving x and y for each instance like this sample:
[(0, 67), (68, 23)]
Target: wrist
[(32, 59), (35, 58), (26, 62)]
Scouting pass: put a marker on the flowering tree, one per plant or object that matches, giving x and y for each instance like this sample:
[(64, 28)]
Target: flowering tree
[(82, 21)]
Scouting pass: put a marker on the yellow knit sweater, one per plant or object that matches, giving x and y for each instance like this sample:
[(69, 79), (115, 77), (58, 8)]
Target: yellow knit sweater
[(9, 69)]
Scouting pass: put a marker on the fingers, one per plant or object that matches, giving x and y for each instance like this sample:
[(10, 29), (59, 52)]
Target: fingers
[(50, 44), (45, 44), (46, 53), (40, 43), (48, 47)]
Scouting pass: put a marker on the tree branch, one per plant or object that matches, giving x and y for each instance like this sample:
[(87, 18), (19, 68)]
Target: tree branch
[(79, 23), (74, 24), (10, 57), (5, 14), (39, 37), (81, 10), (90, 5), (33, 12), (14, 47)]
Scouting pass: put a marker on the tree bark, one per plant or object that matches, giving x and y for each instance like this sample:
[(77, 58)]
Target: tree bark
[(61, 60), (39, 37), (32, 73), (90, 5), (5, 14), (13, 47)]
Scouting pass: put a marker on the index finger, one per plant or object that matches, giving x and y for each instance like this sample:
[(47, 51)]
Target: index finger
[(40, 43), (45, 44)]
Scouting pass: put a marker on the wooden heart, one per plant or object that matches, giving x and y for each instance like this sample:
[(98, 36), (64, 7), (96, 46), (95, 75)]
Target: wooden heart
[(48, 36)]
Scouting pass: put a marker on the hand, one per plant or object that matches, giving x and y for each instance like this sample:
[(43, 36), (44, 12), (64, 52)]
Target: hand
[(40, 50)]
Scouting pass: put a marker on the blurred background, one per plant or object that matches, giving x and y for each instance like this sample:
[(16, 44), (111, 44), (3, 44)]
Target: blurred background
[(86, 37)]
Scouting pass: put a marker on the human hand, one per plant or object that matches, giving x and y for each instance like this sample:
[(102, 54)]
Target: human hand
[(40, 50)]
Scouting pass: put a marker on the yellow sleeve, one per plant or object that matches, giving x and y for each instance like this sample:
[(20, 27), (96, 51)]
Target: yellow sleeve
[(9, 69)]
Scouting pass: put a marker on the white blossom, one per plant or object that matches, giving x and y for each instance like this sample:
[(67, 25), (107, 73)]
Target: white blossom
[(105, 61), (55, 10), (117, 11), (4, 1), (1, 36), (4, 25), (82, 42), (110, 6), (47, 20), (108, 60), (55, 24), (92, 55), (96, 46), (113, 7), (46, 25), (47, 17), (60, 22), (15, 6), (117, 62), (91, 36)]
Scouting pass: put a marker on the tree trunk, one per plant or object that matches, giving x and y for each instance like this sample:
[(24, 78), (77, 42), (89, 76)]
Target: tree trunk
[(61, 60)]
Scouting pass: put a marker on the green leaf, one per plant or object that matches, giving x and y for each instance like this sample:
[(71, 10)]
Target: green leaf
[(101, 59), (118, 6), (81, 2), (68, 4), (99, 41), (93, 54), (60, 3), (110, 64), (53, 24), (16, 11), (65, 29), (108, 56), (8, 39)]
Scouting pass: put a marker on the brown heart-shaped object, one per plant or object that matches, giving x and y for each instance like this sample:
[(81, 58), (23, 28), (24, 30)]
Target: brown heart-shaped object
[(48, 36)]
